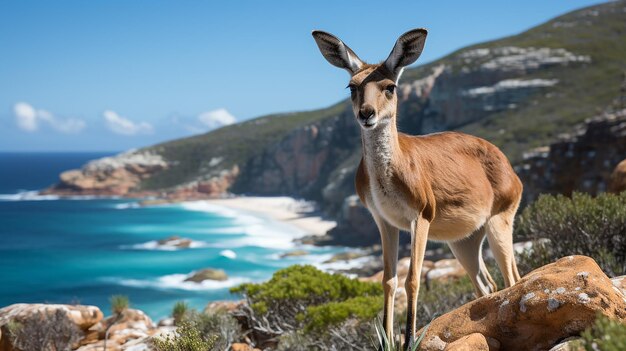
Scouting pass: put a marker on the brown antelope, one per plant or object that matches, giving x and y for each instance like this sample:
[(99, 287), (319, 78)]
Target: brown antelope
[(445, 186)]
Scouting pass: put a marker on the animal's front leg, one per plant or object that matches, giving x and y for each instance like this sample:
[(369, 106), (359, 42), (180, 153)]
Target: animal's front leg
[(419, 237), (389, 238)]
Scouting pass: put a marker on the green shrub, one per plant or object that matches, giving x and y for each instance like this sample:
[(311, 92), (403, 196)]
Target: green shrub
[(179, 311), (580, 225), (218, 323), (331, 314), (290, 291), (187, 338), (119, 304), (605, 335)]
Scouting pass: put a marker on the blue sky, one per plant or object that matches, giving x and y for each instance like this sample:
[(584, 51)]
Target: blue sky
[(112, 75)]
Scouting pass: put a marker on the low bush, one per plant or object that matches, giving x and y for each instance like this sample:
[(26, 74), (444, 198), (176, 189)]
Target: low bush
[(331, 314), (119, 304), (219, 324), (605, 335), (187, 338), (576, 225), (54, 332), (285, 299), (180, 310)]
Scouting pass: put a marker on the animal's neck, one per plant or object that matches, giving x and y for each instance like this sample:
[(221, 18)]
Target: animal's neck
[(380, 147)]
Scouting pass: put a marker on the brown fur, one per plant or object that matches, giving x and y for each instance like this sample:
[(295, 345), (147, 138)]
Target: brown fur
[(446, 186)]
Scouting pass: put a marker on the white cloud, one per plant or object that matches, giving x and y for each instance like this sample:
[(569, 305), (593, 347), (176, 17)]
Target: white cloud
[(28, 119), (25, 116), (125, 126), (217, 118)]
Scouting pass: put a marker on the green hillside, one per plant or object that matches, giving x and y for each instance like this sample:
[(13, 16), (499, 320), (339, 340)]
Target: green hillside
[(598, 32)]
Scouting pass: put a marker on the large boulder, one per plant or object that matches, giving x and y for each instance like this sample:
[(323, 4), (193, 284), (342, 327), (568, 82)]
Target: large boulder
[(83, 316), (549, 304)]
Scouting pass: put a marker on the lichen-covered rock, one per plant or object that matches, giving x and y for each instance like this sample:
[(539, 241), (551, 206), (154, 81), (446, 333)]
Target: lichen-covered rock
[(549, 304)]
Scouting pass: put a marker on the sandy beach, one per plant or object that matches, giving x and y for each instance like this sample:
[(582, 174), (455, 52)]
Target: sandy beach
[(298, 213)]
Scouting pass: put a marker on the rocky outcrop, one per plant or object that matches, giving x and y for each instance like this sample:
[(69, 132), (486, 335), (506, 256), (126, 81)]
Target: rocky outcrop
[(175, 242), (118, 175), (549, 304), (207, 274), (580, 162), (131, 330), (83, 316), (213, 186)]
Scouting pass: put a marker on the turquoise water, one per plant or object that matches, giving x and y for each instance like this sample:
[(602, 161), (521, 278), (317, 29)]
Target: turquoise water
[(67, 251)]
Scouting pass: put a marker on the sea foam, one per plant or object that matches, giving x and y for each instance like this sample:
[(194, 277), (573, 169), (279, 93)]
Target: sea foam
[(177, 281)]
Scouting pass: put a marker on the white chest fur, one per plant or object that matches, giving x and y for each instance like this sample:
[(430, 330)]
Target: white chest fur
[(387, 200)]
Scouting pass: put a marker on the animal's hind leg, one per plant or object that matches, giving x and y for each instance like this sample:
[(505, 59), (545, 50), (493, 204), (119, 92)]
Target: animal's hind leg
[(500, 236), (469, 253)]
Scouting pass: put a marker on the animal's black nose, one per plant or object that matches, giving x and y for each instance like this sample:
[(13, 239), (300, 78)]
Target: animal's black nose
[(366, 112)]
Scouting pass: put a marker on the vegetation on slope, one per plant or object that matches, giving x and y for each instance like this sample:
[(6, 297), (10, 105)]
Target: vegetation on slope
[(582, 90), (232, 144)]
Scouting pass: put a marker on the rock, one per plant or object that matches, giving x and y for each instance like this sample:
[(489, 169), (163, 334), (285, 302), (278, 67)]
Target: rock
[(207, 274), (83, 316), (239, 346), (569, 344), (223, 306), (131, 325), (166, 322), (620, 283), (294, 253), (344, 256), (549, 304), (117, 175), (446, 269), (580, 162), (617, 182), (472, 342), (175, 241)]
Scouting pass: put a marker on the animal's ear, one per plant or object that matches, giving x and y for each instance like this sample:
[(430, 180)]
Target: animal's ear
[(406, 51), (336, 52)]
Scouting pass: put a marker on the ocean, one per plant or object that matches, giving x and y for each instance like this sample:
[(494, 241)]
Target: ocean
[(84, 250)]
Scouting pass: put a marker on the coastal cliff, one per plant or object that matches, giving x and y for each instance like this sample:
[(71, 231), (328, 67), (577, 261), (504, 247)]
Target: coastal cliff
[(519, 92)]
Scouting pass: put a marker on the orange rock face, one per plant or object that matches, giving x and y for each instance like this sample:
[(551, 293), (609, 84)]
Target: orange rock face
[(549, 304), (472, 342)]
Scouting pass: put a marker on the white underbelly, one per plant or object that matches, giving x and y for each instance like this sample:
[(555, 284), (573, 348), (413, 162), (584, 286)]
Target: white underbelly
[(448, 225)]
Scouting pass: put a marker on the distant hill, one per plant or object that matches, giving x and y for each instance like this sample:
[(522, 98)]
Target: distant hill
[(519, 92)]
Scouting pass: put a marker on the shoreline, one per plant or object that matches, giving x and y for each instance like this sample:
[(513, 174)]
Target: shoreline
[(300, 214)]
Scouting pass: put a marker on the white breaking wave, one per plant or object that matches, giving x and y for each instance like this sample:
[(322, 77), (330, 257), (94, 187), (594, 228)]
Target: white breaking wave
[(238, 216), (33, 195), (228, 254), (154, 245), (258, 231), (127, 205), (177, 281)]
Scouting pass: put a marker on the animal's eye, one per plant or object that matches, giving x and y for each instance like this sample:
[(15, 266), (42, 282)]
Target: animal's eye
[(390, 89), (352, 88)]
